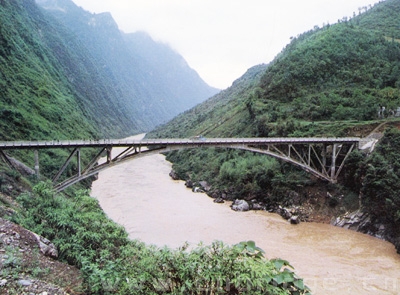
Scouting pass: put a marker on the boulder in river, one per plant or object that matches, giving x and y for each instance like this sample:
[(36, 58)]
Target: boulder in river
[(240, 205), (219, 200), (196, 189), (173, 175), (205, 185), (285, 213), (294, 220), (189, 183)]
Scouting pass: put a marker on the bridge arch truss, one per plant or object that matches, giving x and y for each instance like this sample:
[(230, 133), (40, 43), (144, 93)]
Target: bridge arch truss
[(322, 157)]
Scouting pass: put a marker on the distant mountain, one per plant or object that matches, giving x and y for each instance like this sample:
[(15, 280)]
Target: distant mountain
[(169, 71), (153, 82), (223, 115)]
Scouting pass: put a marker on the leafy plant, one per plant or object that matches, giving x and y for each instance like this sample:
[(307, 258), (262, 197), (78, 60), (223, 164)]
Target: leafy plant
[(112, 264)]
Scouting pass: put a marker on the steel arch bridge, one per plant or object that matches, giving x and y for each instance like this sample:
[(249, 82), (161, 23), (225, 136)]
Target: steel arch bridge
[(323, 157)]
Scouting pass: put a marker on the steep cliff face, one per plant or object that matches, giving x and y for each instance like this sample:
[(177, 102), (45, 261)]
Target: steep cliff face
[(147, 77)]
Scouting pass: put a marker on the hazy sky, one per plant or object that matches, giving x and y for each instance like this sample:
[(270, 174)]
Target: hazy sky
[(221, 39)]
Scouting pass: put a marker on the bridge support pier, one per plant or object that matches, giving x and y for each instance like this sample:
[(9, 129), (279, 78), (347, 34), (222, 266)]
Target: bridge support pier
[(333, 164), (37, 170), (78, 159)]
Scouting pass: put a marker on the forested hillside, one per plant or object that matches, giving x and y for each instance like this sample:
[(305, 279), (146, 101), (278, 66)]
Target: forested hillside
[(67, 73), (37, 98), (329, 81)]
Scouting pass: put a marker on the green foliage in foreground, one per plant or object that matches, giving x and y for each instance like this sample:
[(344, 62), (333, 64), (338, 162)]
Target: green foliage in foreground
[(113, 264)]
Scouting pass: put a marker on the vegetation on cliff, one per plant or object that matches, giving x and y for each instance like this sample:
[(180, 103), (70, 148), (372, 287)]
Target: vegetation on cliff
[(377, 177)]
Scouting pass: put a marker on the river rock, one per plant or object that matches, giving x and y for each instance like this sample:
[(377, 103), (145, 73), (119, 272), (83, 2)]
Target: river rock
[(362, 222), (196, 189), (219, 200), (24, 283), (173, 175), (357, 221), (294, 220), (189, 183), (205, 185), (285, 213), (257, 206), (240, 205)]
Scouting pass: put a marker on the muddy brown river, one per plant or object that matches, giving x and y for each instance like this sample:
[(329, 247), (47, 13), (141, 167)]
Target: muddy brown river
[(158, 210)]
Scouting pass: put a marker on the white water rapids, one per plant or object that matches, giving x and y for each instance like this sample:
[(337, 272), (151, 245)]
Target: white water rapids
[(158, 210)]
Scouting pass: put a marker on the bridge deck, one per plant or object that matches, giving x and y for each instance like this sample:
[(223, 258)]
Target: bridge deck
[(8, 145), (324, 157)]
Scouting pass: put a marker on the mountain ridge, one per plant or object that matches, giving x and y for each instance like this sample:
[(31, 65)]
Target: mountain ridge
[(142, 81)]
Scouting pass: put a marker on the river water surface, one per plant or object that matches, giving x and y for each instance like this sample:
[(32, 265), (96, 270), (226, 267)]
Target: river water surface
[(158, 210)]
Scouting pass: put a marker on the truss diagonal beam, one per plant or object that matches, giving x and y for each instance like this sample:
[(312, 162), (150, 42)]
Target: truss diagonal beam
[(64, 166), (107, 164), (344, 160), (6, 159), (285, 158)]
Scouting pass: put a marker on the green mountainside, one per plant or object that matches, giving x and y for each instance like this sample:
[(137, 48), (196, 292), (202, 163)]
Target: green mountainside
[(66, 73), (329, 81), (344, 71), (37, 100)]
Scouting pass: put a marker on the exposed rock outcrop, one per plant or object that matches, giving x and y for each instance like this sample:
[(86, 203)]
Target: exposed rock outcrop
[(355, 221), (27, 266), (363, 222)]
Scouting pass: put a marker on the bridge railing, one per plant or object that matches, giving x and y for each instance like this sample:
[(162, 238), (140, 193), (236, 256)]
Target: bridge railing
[(169, 141)]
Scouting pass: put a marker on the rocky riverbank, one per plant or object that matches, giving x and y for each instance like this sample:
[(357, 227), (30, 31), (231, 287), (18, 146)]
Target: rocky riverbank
[(317, 206), (362, 222)]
